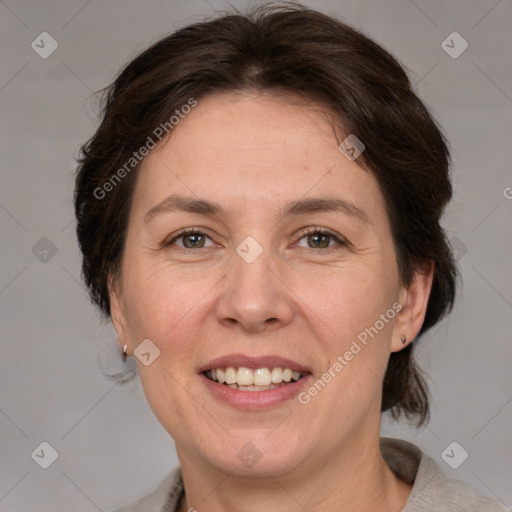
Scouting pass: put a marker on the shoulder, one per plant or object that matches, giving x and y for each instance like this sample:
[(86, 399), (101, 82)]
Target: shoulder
[(162, 499), (432, 491), (457, 495)]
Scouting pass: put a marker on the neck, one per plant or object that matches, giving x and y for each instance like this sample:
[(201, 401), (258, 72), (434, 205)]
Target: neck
[(354, 479)]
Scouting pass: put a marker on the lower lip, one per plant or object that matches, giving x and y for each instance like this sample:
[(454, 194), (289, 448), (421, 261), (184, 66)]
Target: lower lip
[(254, 400)]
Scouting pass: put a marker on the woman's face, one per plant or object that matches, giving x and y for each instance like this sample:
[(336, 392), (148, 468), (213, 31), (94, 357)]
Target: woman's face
[(257, 286)]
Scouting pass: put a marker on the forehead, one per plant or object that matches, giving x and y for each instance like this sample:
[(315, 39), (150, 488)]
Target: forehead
[(251, 150)]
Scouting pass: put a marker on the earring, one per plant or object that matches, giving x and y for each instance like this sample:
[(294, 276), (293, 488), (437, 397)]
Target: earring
[(124, 353), (404, 340)]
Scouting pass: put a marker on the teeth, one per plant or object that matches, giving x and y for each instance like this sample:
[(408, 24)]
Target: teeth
[(251, 379), (244, 377), (231, 375), (262, 377), (277, 375)]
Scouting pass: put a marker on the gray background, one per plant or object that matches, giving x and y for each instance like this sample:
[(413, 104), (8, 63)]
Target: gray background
[(53, 344)]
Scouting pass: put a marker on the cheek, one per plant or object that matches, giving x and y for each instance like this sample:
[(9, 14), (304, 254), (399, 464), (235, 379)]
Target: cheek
[(165, 305), (352, 317), (346, 301)]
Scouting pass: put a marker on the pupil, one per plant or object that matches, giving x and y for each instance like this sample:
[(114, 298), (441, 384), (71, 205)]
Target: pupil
[(195, 237), (316, 236)]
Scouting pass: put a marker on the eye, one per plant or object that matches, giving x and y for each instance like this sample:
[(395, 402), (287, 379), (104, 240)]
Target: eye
[(316, 238), (191, 239), (320, 238)]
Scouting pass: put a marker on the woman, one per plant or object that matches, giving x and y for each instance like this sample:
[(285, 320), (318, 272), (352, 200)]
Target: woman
[(259, 214)]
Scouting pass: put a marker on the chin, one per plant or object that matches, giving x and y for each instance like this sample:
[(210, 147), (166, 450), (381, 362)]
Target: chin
[(242, 457)]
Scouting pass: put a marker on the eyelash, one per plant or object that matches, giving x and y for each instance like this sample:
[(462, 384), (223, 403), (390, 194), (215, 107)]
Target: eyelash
[(310, 231)]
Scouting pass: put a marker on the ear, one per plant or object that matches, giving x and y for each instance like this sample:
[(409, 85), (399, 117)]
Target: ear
[(414, 301), (117, 312)]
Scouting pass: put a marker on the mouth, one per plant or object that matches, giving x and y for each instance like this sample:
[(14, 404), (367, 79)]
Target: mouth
[(260, 379), (254, 383)]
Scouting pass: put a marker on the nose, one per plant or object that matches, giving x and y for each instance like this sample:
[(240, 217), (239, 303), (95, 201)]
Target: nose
[(254, 297)]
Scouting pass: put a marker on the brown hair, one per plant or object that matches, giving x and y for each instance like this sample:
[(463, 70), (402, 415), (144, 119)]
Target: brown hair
[(281, 49)]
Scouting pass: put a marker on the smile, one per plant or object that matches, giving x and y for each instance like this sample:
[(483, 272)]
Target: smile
[(245, 379), (254, 383)]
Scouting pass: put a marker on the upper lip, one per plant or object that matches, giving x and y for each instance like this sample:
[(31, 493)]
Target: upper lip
[(245, 361)]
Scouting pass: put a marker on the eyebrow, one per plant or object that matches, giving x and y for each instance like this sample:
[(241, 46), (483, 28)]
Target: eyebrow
[(178, 202)]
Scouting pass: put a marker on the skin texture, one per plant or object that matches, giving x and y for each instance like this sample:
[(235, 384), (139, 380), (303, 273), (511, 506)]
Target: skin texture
[(304, 298)]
